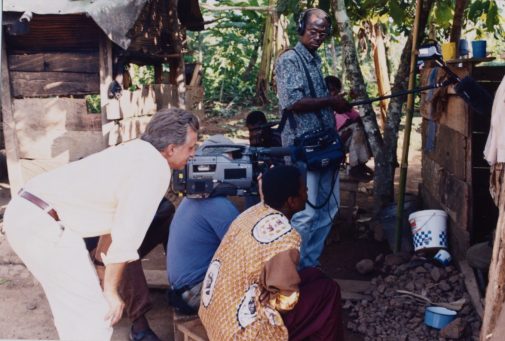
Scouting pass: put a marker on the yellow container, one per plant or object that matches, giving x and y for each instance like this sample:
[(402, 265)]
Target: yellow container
[(449, 51)]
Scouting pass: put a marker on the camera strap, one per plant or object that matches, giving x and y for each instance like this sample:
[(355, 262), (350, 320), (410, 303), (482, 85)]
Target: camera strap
[(311, 86), (288, 114)]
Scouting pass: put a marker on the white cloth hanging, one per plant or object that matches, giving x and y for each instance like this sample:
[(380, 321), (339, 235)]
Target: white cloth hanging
[(495, 145)]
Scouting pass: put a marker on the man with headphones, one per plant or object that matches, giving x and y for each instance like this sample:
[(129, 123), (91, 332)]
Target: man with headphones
[(304, 98)]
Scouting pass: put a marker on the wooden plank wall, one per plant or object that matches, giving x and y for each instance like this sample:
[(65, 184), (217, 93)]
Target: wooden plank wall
[(54, 74), (455, 176), (446, 177), (54, 131), (137, 107), (51, 123), (14, 168), (52, 127)]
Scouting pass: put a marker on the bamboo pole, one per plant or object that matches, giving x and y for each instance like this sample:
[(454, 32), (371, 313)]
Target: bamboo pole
[(408, 127)]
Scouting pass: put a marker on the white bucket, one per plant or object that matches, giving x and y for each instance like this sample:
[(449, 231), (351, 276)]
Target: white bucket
[(429, 229)]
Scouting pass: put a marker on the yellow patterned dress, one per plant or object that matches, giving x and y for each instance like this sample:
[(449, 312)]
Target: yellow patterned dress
[(230, 307)]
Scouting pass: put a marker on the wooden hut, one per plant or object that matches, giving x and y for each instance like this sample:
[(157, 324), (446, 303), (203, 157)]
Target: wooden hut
[(55, 53), (454, 172), (455, 176)]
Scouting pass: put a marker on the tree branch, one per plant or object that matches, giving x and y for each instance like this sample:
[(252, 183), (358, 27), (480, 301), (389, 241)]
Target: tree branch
[(238, 8)]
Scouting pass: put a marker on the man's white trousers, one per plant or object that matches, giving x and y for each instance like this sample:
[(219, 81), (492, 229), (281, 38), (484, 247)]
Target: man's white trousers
[(60, 262)]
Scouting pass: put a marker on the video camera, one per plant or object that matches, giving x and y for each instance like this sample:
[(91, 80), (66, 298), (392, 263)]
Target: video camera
[(226, 169)]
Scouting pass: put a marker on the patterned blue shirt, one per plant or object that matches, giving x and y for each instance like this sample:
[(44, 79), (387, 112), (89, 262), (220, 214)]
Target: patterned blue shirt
[(292, 86)]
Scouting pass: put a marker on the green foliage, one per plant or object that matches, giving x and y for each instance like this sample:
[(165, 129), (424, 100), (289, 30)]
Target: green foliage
[(93, 104), (485, 16), (397, 12), (228, 45), (443, 14), (141, 75), (227, 48), (288, 6)]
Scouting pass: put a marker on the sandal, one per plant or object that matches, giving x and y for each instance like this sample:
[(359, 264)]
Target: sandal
[(144, 335)]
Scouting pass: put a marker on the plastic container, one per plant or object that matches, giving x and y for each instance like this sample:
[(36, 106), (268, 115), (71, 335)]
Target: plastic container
[(388, 221), (449, 50), (429, 229), (438, 317), (443, 257), (463, 48), (479, 48)]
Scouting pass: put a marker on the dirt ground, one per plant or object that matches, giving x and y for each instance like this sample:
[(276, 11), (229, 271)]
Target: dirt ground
[(25, 313)]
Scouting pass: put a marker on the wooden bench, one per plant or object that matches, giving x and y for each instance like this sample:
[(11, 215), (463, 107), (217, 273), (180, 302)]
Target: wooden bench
[(188, 328)]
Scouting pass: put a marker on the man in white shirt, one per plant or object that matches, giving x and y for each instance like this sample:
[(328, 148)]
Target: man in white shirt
[(115, 191)]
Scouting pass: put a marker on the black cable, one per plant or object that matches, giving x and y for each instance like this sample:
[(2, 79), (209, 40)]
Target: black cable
[(333, 182)]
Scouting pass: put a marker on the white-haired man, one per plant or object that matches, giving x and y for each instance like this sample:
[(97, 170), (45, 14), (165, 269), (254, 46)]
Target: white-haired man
[(115, 191)]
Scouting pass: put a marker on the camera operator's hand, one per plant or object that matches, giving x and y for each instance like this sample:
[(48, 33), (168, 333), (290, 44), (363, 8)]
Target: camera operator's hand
[(340, 104)]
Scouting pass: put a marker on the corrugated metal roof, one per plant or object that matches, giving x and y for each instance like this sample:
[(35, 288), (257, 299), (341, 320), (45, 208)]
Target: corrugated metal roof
[(114, 17)]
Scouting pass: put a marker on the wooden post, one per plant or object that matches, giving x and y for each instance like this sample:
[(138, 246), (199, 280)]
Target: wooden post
[(408, 126), (9, 128), (177, 72), (158, 73), (495, 292), (109, 129)]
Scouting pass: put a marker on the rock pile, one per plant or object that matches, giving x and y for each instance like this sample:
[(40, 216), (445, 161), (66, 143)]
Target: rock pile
[(386, 315)]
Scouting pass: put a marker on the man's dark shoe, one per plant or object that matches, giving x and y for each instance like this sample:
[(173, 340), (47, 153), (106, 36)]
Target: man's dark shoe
[(177, 302), (143, 335)]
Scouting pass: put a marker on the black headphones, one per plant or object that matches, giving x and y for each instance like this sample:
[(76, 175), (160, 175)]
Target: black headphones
[(303, 18)]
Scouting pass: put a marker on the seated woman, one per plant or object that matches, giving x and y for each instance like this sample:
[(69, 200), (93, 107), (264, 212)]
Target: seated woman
[(350, 129), (252, 289)]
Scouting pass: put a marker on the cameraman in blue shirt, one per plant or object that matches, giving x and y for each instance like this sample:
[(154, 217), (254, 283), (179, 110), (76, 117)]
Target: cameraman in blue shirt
[(196, 231)]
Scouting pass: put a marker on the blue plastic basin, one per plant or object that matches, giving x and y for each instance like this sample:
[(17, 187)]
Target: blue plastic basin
[(438, 317)]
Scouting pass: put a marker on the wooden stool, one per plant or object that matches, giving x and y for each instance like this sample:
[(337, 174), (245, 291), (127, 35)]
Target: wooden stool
[(188, 328)]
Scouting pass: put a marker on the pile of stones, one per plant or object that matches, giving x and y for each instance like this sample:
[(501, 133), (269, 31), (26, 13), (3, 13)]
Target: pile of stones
[(384, 314)]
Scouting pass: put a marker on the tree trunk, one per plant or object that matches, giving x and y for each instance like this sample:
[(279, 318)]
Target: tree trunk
[(385, 170), (334, 60), (457, 22), (354, 75), (236, 8), (495, 292), (275, 39), (254, 57), (381, 70), (384, 150), (177, 74), (266, 55)]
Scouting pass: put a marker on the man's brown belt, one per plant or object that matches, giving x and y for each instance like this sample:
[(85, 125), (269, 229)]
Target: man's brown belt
[(44, 206)]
